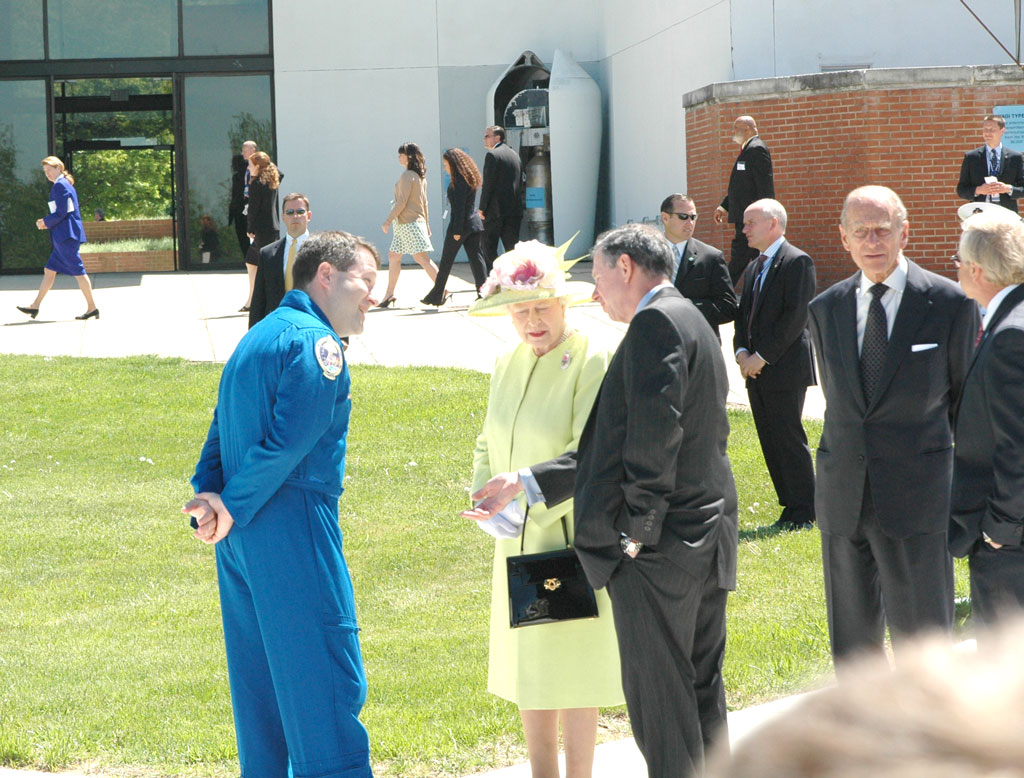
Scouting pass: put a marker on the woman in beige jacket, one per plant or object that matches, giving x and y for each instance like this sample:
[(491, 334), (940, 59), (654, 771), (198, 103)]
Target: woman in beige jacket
[(410, 219)]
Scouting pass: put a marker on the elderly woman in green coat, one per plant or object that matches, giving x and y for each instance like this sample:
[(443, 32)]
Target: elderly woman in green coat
[(540, 397)]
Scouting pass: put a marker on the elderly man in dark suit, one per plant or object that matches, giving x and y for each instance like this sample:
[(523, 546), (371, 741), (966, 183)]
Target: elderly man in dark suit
[(893, 342), (992, 172), (751, 179), (273, 272), (655, 502), (701, 274), (988, 468), (501, 207), (773, 350)]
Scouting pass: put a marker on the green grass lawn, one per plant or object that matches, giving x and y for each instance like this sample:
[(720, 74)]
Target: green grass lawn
[(111, 654)]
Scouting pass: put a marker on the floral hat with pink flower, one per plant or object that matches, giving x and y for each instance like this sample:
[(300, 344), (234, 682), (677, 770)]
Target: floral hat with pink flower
[(531, 271)]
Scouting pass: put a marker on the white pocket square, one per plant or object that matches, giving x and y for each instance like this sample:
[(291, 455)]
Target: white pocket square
[(923, 346)]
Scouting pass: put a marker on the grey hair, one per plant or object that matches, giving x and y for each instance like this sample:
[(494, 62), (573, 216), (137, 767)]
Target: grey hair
[(646, 246), (772, 209), (996, 245), (880, 195)]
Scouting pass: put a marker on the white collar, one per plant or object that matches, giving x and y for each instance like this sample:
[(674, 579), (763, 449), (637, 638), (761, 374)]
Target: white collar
[(897, 279)]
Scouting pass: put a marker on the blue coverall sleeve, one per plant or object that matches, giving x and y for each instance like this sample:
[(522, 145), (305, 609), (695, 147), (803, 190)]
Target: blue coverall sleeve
[(304, 405), (60, 193), (209, 475)]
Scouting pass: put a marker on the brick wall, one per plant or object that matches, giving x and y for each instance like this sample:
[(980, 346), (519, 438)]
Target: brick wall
[(829, 133), (127, 261), (98, 232)]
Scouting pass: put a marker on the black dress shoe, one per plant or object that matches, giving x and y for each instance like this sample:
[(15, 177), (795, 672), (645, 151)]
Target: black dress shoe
[(33, 312), (93, 314)]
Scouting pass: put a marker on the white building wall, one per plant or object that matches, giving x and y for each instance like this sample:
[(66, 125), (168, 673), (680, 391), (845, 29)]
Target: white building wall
[(654, 51), (355, 79), (790, 37)]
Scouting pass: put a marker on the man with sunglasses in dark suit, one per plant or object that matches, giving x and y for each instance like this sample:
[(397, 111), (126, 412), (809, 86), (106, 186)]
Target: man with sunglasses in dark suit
[(701, 274), (273, 272)]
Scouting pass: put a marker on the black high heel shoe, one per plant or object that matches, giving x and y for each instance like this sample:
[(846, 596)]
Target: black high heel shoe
[(93, 314), (33, 312), (386, 302)]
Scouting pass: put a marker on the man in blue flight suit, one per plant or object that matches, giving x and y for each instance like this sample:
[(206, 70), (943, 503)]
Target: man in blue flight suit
[(267, 488)]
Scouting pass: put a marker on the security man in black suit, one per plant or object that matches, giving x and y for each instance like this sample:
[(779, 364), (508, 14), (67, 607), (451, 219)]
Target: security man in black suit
[(273, 271), (893, 342), (751, 179), (501, 206), (237, 208), (992, 161), (701, 274), (773, 350), (988, 467)]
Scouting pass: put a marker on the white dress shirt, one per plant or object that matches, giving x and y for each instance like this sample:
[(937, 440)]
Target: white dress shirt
[(897, 282)]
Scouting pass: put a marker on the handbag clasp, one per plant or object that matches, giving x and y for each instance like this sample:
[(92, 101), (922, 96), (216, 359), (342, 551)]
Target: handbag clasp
[(551, 584)]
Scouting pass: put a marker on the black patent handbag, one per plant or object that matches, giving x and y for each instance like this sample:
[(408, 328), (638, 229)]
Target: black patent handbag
[(549, 586)]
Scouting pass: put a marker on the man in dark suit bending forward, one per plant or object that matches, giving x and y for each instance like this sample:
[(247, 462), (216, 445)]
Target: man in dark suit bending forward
[(655, 501)]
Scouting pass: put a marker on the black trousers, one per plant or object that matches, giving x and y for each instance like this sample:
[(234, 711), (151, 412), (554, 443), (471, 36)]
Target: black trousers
[(470, 242), (671, 634), (777, 417), (240, 232), (504, 227), (997, 582), (740, 255), (872, 579)]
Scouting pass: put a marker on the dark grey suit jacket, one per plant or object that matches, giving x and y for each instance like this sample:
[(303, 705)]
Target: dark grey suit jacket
[(751, 179), (499, 193), (903, 441), (652, 460), (703, 279), (268, 288), (778, 328), (975, 167), (988, 470)]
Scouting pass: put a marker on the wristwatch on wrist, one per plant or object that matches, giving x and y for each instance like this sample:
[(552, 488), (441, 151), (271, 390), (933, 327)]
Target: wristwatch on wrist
[(630, 546)]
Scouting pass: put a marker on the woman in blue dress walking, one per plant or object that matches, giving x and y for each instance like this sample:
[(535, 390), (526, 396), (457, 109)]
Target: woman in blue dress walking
[(64, 221)]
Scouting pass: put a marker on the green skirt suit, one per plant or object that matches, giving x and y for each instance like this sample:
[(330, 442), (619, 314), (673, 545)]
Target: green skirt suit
[(537, 409)]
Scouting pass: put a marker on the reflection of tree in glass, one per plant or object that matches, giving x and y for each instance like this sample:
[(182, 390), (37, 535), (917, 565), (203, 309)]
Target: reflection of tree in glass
[(125, 183), (248, 127), (21, 203)]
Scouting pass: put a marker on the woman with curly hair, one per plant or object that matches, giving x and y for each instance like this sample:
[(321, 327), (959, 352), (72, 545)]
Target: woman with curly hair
[(409, 216), (465, 228), (264, 225)]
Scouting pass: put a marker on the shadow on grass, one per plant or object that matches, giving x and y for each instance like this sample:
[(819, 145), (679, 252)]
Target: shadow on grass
[(760, 533)]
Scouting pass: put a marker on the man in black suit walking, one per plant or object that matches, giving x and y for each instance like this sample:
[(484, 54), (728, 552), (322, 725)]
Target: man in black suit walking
[(701, 274), (273, 271), (773, 350), (655, 502), (988, 469), (893, 342), (992, 172), (501, 207), (751, 179)]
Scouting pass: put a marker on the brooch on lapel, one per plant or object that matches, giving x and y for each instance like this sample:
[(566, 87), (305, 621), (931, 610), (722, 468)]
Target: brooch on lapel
[(566, 359)]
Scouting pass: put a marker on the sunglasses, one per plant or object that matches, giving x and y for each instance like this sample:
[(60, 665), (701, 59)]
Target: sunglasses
[(293, 211), (684, 216)]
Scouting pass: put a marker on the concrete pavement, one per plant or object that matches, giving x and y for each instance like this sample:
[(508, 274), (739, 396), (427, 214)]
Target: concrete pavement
[(194, 316)]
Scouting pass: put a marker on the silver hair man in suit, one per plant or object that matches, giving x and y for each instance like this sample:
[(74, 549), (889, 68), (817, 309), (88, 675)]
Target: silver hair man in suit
[(988, 467), (893, 342), (655, 501)]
